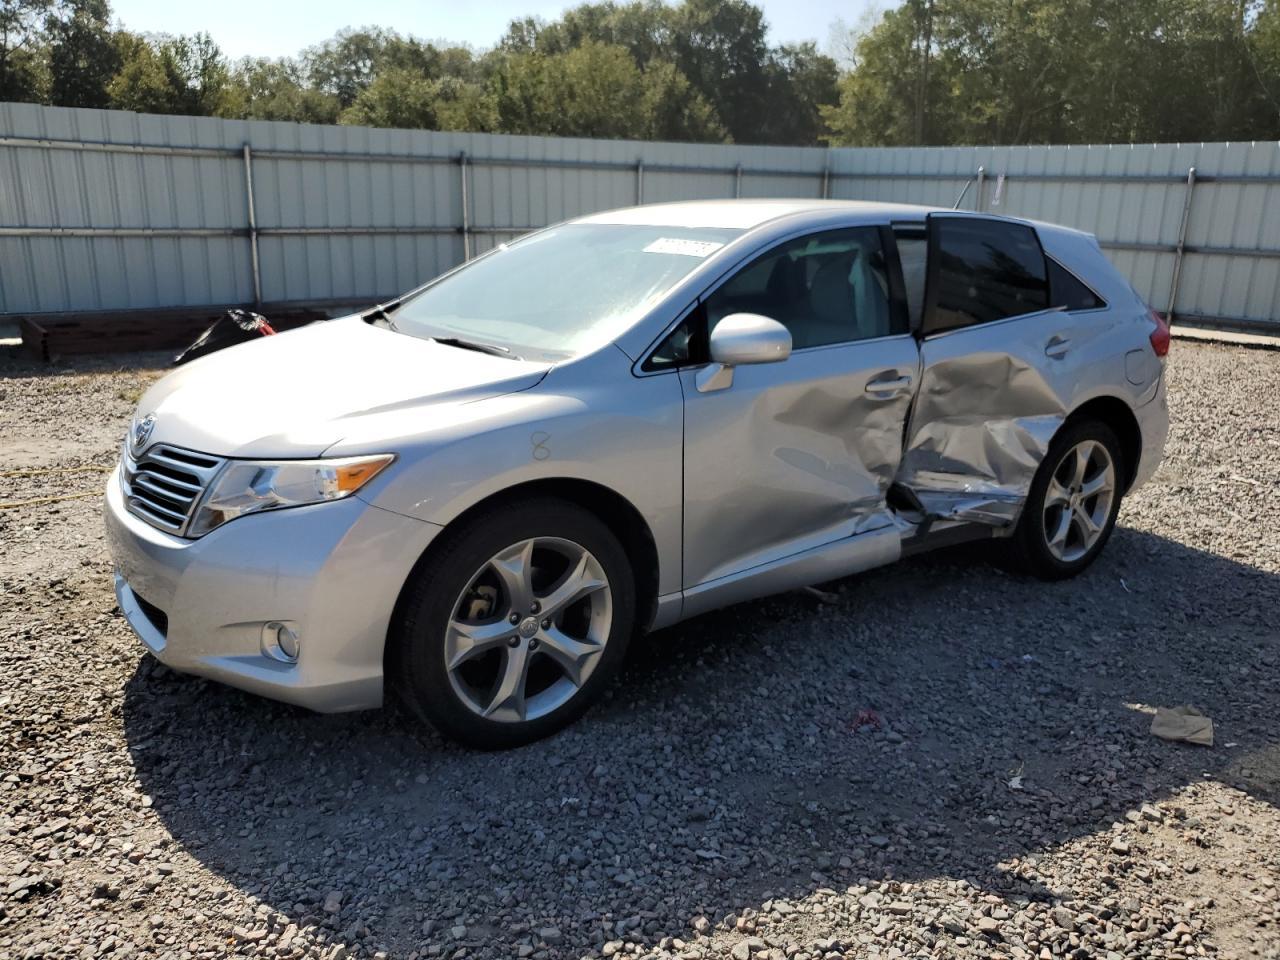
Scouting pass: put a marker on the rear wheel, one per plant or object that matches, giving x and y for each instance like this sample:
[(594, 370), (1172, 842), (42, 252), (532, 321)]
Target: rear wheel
[(515, 625), (1072, 506)]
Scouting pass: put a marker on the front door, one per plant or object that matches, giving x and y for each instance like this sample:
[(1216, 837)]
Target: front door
[(797, 454)]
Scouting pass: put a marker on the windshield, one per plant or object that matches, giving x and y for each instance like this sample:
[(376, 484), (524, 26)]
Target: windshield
[(562, 291)]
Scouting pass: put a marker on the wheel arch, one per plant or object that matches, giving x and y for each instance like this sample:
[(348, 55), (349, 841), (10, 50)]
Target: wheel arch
[(615, 511), (1119, 416)]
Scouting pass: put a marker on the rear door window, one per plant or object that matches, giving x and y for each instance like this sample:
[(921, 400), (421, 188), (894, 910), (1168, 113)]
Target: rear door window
[(981, 271)]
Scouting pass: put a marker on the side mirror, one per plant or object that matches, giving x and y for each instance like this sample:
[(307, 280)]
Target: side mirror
[(738, 339), (749, 338)]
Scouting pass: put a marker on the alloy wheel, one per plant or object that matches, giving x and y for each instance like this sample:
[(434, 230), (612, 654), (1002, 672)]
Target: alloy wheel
[(1078, 500), (528, 630)]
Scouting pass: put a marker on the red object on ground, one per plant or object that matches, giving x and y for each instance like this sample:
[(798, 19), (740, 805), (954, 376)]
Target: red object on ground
[(865, 718)]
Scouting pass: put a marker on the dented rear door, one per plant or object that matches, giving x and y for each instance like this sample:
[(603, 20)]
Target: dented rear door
[(1000, 370)]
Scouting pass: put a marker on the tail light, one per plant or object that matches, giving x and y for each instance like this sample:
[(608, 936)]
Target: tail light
[(1160, 335)]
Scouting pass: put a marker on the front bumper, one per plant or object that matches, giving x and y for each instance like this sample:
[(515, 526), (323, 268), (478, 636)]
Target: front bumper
[(330, 571)]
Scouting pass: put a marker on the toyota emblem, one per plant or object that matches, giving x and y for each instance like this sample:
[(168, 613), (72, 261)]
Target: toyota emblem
[(140, 432)]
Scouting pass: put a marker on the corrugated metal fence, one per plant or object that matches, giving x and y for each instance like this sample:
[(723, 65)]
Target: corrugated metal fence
[(103, 210)]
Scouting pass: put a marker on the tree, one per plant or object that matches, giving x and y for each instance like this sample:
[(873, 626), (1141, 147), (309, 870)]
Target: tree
[(673, 110), (643, 27), (590, 91), (760, 94), (800, 83), (883, 99), (922, 14), (910, 72), (83, 56), (350, 62), (1015, 66), (1263, 53), (596, 90), (1209, 40), (21, 23), (720, 46), (522, 35), (266, 89), (405, 98), (182, 74), (345, 65), (1064, 71)]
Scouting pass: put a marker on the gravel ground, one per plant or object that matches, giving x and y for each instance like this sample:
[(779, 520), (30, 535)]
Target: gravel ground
[(947, 761)]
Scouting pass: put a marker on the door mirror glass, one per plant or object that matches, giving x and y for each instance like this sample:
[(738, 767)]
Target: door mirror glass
[(749, 338)]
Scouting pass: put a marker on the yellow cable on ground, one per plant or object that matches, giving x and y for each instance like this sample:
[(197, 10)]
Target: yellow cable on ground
[(12, 504)]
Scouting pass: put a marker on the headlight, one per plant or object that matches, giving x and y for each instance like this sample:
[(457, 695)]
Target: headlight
[(248, 486)]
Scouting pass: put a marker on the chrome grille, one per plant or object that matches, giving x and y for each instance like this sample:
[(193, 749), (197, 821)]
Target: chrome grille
[(164, 485)]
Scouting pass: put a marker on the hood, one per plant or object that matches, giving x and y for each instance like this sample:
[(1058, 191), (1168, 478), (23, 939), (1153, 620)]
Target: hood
[(291, 395)]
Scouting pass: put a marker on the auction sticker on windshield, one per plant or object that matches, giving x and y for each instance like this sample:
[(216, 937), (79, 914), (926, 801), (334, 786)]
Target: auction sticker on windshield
[(685, 248)]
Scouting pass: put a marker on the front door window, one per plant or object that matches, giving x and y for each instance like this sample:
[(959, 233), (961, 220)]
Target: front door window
[(825, 288)]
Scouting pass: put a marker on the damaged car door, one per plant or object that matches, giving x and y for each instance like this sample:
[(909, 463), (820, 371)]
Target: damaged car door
[(999, 369), (812, 442)]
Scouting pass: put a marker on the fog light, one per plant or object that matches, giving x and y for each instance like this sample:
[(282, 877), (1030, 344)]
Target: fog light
[(280, 642)]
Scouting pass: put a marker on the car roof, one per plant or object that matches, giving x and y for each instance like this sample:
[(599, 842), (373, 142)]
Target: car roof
[(747, 214), (761, 222)]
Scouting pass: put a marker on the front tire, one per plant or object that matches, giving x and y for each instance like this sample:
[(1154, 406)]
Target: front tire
[(1073, 502), (515, 625)]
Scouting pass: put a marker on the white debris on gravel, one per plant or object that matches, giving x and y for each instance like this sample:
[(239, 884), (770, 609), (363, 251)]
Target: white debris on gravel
[(789, 779)]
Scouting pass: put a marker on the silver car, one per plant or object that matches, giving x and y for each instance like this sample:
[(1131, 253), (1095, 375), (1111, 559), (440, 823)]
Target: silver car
[(477, 494)]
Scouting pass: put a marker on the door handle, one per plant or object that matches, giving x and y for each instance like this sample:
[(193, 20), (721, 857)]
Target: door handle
[(1057, 347), (886, 386)]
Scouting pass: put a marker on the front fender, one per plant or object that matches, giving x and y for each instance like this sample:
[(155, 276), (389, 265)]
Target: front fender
[(626, 435)]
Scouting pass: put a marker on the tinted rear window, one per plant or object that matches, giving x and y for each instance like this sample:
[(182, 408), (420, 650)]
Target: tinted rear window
[(986, 270)]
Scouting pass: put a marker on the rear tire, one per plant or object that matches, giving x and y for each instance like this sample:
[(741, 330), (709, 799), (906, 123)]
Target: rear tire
[(1072, 505), (514, 625)]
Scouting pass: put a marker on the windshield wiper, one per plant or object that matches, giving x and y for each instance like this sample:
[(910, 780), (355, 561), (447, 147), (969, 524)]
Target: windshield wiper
[(383, 311), (489, 348)]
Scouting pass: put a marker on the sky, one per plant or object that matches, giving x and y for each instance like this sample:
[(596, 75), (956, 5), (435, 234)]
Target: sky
[(283, 27)]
